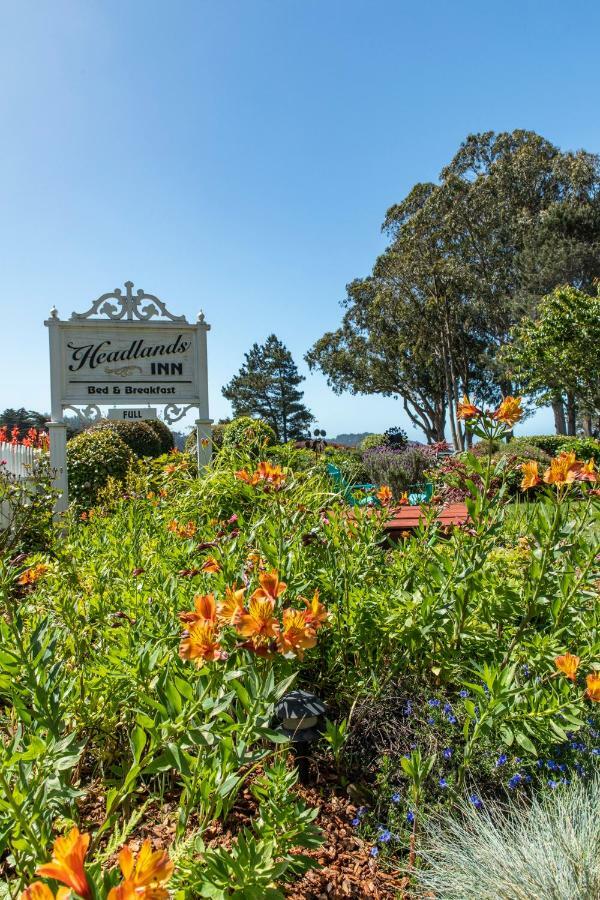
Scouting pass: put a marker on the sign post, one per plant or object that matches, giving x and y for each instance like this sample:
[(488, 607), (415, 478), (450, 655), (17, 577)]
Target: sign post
[(125, 349)]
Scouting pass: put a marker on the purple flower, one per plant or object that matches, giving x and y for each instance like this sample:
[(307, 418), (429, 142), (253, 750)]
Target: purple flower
[(396, 798), (476, 801), (443, 783), (452, 720), (431, 720), (502, 760), (434, 702), (515, 781), (447, 754), (553, 784), (355, 822), (410, 817), (384, 836), (463, 694), (374, 851)]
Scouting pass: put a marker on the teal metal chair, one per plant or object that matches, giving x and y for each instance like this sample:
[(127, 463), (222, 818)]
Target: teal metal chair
[(347, 489), (420, 493)]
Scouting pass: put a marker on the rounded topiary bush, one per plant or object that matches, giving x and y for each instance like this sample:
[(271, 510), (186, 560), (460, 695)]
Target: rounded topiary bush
[(372, 440), (163, 433), (139, 436), (93, 457), (248, 434)]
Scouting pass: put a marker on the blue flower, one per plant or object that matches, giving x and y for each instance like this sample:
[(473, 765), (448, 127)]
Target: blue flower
[(434, 702), (553, 784), (396, 798), (374, 851), (361, 811), (443, 783), (447, 709), (408, 708), (515, 781), (355, 822), (463, 694), (580, 770), (476, 801), (447, 754), (452, 720), (384, 835), (410, 817), (553, 766), (431, 720), (596, 751), (502, 760)]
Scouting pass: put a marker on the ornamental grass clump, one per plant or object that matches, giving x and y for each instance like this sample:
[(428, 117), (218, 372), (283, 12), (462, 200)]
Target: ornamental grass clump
[(547, 850)]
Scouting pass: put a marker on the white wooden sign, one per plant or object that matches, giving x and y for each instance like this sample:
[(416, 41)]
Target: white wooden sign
[(126, 349)]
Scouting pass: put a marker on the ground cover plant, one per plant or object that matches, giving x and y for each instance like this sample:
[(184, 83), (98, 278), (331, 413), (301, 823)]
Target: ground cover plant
[(145, 646)]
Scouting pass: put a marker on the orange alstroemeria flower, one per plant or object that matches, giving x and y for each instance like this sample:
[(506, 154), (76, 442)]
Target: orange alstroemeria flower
[(211, 566), (144, 875), (270, 586), (562, 469), (229, 612), (403, 500), (40, 891), (316, 614), (205, 610), (243, 475), (531, 475), (510, 411), (182, 531), (272, 474), (31, 575), (297, 635), (259, 622), (384, 495), (586, 472), (66, 866), (467, 410), (568, 665), (593, 687), (201, 643)]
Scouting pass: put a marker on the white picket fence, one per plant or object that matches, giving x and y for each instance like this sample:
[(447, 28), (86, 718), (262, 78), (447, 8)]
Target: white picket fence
[(16, 459)]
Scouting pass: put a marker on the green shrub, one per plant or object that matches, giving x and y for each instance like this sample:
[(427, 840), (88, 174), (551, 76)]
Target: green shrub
[(349, 462), (92, 458), (139, 436), (548, 850), (248, 434), (163, 433), (372, 440), (398, 468), (584, 447)]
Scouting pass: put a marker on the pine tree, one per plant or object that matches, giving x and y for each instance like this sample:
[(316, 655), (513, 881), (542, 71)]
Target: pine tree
[(266, 387)]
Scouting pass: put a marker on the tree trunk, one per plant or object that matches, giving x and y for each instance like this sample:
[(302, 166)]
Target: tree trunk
[(571, 415), (586, 421), (559, 416)]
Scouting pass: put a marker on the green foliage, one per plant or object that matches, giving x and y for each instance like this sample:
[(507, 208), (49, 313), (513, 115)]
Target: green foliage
[(248, 434), (26, 508), (92, 458), (260, 857), (266, 387), (140, 437), (553, 354), (370, 441), (163, 433), (553, 444)]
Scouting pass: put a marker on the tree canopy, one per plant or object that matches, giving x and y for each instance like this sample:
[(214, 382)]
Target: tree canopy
[(468, 256), (556, 355), (266, 387)]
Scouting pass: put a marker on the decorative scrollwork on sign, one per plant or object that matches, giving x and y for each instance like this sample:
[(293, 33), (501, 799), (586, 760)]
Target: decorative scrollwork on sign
[(142, 306), (88, 415), (173, 412)]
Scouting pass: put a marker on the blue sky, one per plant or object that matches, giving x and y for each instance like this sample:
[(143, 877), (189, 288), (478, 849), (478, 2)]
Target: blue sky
[(239, 155)]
